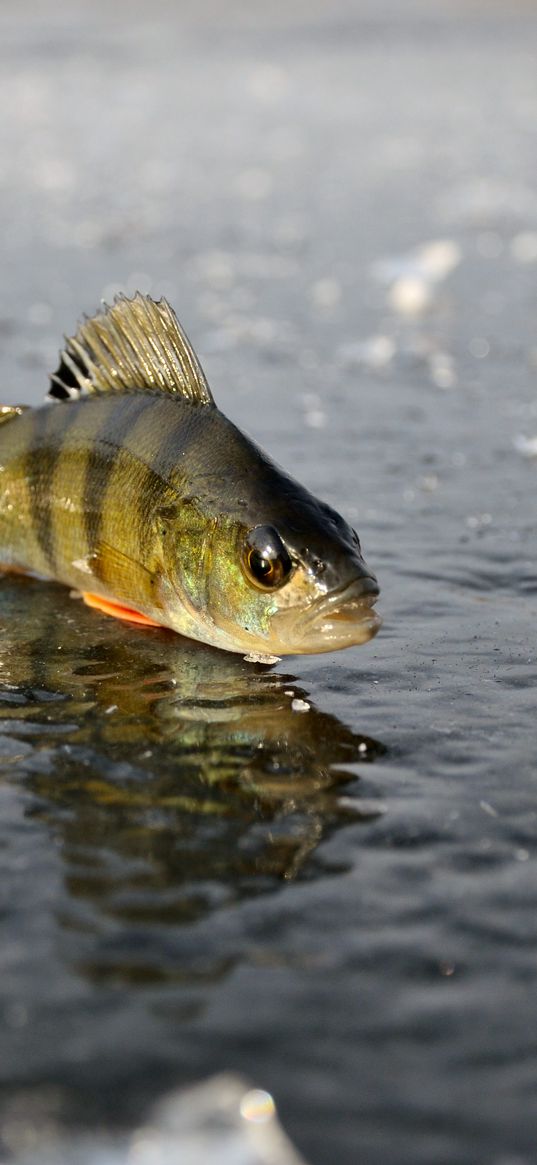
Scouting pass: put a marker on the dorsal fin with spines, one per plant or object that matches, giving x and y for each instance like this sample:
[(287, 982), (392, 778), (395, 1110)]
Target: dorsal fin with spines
[(135, 344)]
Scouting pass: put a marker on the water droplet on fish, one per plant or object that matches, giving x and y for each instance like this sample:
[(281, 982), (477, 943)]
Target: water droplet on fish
[(82, 564), (258, 657)]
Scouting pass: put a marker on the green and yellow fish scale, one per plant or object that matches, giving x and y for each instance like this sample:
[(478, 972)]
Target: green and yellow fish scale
[(136, 490), (101, 471)]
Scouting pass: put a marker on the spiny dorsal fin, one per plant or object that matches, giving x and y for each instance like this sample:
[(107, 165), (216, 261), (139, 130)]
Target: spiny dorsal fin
[(8, 412), (137, 343)]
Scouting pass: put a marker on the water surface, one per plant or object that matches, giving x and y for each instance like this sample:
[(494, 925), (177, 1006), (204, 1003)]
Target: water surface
[(339, 903)]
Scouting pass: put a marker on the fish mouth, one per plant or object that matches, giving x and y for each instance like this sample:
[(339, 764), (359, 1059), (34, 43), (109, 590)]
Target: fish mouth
[(343, 618)]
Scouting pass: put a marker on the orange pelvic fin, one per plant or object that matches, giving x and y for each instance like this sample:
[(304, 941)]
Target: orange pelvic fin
[(109, 607)]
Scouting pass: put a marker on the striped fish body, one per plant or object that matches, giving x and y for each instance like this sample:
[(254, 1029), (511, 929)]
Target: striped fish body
[(121, 496), (137, 491), (88, 487)]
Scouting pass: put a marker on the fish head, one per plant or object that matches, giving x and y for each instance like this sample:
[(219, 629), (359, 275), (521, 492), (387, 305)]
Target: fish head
[(327, 602), (291, 579)]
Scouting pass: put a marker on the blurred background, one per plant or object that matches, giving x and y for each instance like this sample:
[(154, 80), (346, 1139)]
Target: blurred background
[(340, 201), (274, 172)]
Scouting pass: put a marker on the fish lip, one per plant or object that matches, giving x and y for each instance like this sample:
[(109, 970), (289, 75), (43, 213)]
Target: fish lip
[(343, 618), (354, 597)]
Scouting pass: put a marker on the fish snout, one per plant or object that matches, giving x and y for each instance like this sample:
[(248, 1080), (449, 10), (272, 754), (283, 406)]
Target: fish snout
[(349, 600), (350, 582), (343, 617), (365, 586)]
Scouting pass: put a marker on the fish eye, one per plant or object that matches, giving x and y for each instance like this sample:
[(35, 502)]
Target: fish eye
[(266, 560)]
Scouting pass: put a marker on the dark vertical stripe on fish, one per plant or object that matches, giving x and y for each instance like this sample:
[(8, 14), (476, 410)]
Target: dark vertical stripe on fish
[(107, 444), (42, 457), (179, 428)]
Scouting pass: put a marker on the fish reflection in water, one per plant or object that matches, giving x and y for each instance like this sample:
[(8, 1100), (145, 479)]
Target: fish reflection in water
[(176, 777)]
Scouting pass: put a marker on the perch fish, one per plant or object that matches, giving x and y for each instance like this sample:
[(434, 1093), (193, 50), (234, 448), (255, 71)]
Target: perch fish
[(131, 486)]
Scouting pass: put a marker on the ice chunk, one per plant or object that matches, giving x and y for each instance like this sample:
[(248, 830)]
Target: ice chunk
[(223, 1121)]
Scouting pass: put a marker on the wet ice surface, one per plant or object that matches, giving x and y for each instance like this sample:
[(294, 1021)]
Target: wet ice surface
[(195, 876)]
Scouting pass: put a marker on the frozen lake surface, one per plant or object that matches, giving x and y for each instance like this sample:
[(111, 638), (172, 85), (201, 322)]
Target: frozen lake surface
[(339, 903)]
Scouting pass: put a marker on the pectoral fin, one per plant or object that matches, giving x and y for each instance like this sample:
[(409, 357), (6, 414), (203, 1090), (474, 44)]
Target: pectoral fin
[(109, 607)]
